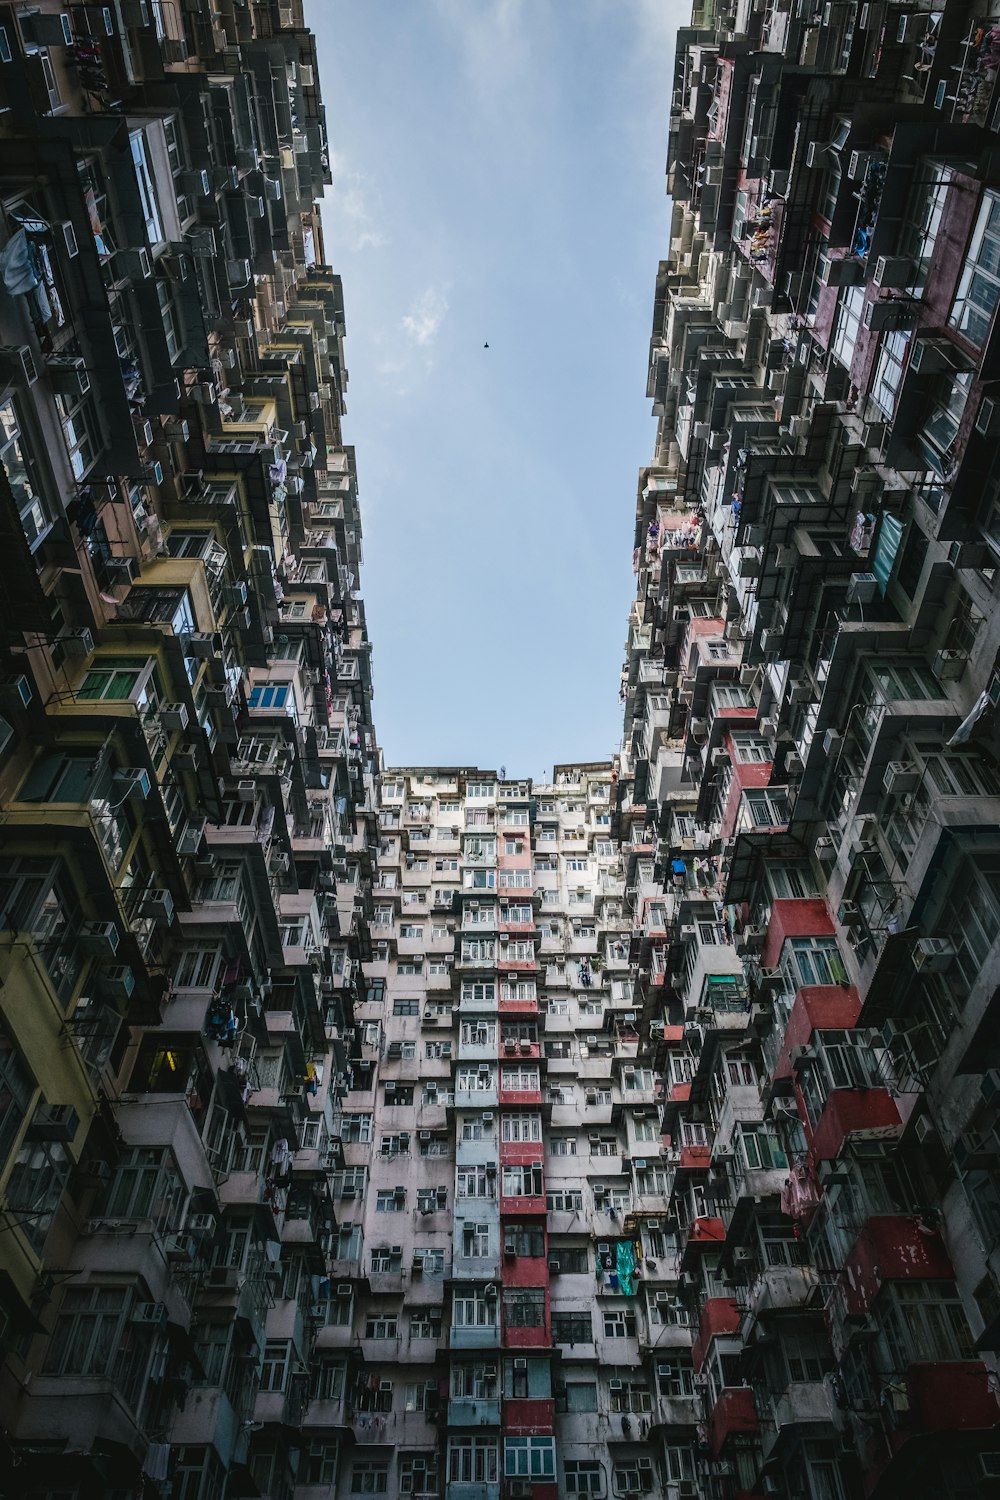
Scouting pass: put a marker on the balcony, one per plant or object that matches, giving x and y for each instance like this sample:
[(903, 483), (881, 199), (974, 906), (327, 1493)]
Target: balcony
[(469, 1411), (719, 1316), (734, 1415), (474, 1336), (806, 1404), (779, 1289), (890, 1247)]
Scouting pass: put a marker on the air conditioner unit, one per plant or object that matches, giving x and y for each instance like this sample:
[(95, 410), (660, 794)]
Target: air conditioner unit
[(770, 639), (118, 982), (950, 665), (17, 365), (159, 905), (862, 588), (933, 955), (54, 1122), (47, 28), (173, 716), (225, 1278), (900, 776), (133, 783), (99, 939), (893, 271)]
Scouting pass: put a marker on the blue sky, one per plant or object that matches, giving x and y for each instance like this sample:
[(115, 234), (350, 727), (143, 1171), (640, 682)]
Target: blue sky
[(498, 176)]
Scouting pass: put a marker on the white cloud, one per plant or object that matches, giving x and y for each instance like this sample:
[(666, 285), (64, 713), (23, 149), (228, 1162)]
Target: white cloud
[(352, 206), (424, 319), (491, 38)]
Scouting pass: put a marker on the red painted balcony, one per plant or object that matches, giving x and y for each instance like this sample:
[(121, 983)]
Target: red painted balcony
[(520, 1207), (891, 1247), (528, 1418), (516, 1097), (679, 1093), (695, 1158), (706, 1232), (951, 1396), (527, 1338), (734, 1414), (818, 1007), (518, 1007), (719, 1315), (800, 918), (850, 1110)]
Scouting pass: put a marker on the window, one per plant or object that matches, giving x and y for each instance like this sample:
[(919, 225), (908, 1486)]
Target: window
[(381, 1328), (34, 512), (524, 1307), (268, 695), (632, 1397), (479, 989), (406, 1007), (522, 1127), (426, 1323), (471, 1309), (632, 1476), (524, 1239), (17, 1088), (521, 1181), (847, 324), (533, 1457), (619, 1323), (472, 1080), (390, 1200), (473, 1461), (148, 1185), (979, 286), (370, 1476), (418, 1473), (93, 1338), (523, 1078), (562, 1145), (761, 1149), (572, 1328), (475, 1240), (750, 748), (814, 961), (569, 1201), (475, 1182), (584, 1476), (474, 1381)]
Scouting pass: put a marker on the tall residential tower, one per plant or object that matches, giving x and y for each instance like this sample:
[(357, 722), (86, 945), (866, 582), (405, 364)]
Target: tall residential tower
[(424, 1131)]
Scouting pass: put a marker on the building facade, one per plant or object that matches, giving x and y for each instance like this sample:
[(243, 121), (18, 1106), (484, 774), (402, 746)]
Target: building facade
[(189, 770), (424, 1131), (810, 753)]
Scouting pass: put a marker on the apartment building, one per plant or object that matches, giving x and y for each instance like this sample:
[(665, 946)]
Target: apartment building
[(188, 767), (515, 1332), (425, 1131), (810, 756)]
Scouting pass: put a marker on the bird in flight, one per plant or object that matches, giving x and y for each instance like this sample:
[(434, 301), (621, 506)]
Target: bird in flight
[(486, 346)]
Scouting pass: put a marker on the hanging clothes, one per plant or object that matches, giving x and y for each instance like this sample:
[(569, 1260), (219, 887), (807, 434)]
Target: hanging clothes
[(625, 1267)]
